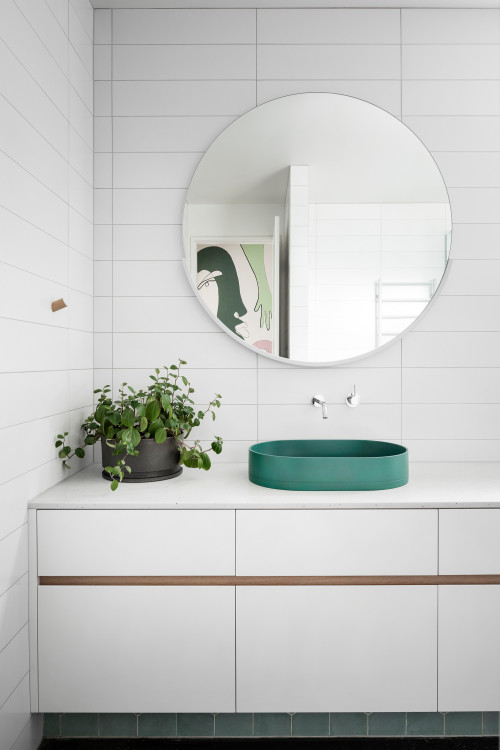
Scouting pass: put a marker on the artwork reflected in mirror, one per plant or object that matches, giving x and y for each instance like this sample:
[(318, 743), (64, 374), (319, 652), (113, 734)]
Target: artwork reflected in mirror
[(235, 281), (317, 228)]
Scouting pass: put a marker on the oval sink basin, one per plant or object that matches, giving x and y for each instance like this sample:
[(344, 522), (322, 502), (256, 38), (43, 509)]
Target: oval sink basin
[(328, 465)]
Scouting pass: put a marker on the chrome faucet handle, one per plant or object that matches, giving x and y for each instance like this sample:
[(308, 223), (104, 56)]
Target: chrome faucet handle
[(319, 401), (353, 399)]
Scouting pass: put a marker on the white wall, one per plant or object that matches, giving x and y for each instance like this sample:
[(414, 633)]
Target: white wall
[(46, 363), (177, 77)]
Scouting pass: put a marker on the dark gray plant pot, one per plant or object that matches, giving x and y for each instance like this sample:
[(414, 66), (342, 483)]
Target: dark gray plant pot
[(156, 461)]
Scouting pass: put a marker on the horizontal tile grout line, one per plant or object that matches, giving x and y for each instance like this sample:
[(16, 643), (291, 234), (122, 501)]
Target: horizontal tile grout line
[(442, 367), (82, 25), (236, 115), (67, 35), (43, 184), (55, 461), (253, 80), (50, 325), (297, 44), (313, 7), (15, 634), (64, 157), (50, 281), (65, 370), (49, 416), (45, 93), (192, 296), (14, 690), (295, 79), (185, 187), (23, 575), (161, 224), (13, 531), (183, 152), (91, 44)]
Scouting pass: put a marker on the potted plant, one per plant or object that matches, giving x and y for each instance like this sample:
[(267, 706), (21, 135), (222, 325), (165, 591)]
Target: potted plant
[(144, 433)]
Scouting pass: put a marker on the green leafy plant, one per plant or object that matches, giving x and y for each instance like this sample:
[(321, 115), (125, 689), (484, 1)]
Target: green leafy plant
[(164, 409)]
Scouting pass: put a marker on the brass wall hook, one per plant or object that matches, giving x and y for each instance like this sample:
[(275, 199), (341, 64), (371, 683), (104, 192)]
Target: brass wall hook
[(58, 304)]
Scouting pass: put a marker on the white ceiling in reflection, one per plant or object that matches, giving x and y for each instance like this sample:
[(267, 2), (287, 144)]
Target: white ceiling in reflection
[(355, 154)]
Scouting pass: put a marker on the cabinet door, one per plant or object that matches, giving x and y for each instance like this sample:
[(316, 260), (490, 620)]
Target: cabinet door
[(468, 541), (469, 648), (135, 542), (136, 649), (336, 648), (341, 542)]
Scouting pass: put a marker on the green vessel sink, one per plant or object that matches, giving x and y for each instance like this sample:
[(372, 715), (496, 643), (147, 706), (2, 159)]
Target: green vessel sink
[(328, 465)]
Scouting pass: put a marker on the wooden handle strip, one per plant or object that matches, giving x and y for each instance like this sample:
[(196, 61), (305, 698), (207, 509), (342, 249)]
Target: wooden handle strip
[(424, 580)]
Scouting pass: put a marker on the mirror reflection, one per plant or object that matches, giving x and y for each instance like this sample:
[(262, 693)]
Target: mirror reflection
[(317, 228)]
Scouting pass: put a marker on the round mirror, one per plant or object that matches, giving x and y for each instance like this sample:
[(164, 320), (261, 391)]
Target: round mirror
[(316, 228)]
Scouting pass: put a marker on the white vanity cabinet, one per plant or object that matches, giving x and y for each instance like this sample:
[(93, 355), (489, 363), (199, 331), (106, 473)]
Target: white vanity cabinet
[(469, 616), (134, 648), (357, 648), (209, 609)]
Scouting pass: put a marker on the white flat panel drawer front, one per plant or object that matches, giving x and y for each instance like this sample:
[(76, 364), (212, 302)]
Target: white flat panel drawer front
[(469, 648), (135, 542), (358, 648), (136, 648), (469, 541), (336, 542)]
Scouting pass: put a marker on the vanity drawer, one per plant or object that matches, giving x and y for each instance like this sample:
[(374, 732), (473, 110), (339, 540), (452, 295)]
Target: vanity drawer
[(469, 541), (135, 542), (336, 542)]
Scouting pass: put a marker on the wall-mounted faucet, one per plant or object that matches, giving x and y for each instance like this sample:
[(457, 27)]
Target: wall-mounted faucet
[(318, 401), (353, 398)]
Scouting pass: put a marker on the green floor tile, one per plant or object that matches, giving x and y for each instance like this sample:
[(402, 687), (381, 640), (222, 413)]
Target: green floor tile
[(272, 725), (348, 725), (157, 725), (386, 724), (52, 725), (117, 725), (79, 725), (310, 725), (464, 723), (195, 725), (421, 724), (233, 725), (491, 723)]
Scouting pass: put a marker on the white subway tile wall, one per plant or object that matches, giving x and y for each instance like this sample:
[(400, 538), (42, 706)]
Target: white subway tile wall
[(46, 368), (174, 80)]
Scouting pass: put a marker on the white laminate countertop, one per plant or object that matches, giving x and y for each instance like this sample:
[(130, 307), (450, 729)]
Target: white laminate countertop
[(431, 485)]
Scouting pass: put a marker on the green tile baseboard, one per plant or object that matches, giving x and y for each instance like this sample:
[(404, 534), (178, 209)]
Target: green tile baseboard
[(418, 724)]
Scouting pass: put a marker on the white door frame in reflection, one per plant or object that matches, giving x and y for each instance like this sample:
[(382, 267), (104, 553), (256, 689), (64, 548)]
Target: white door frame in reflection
[(317, 161)]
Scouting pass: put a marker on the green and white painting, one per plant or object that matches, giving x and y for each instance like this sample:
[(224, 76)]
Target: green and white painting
[(235, 280)]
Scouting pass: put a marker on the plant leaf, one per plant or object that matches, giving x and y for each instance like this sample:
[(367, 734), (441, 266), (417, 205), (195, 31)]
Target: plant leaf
[(100, 413), (131, 437), (206, 463), (128, 418), (114, 485), (156, 425), (80, 452), (152, 410), (161, 435)]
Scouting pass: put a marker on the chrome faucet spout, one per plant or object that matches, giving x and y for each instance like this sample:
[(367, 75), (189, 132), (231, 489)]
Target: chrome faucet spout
[(319, 401)]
